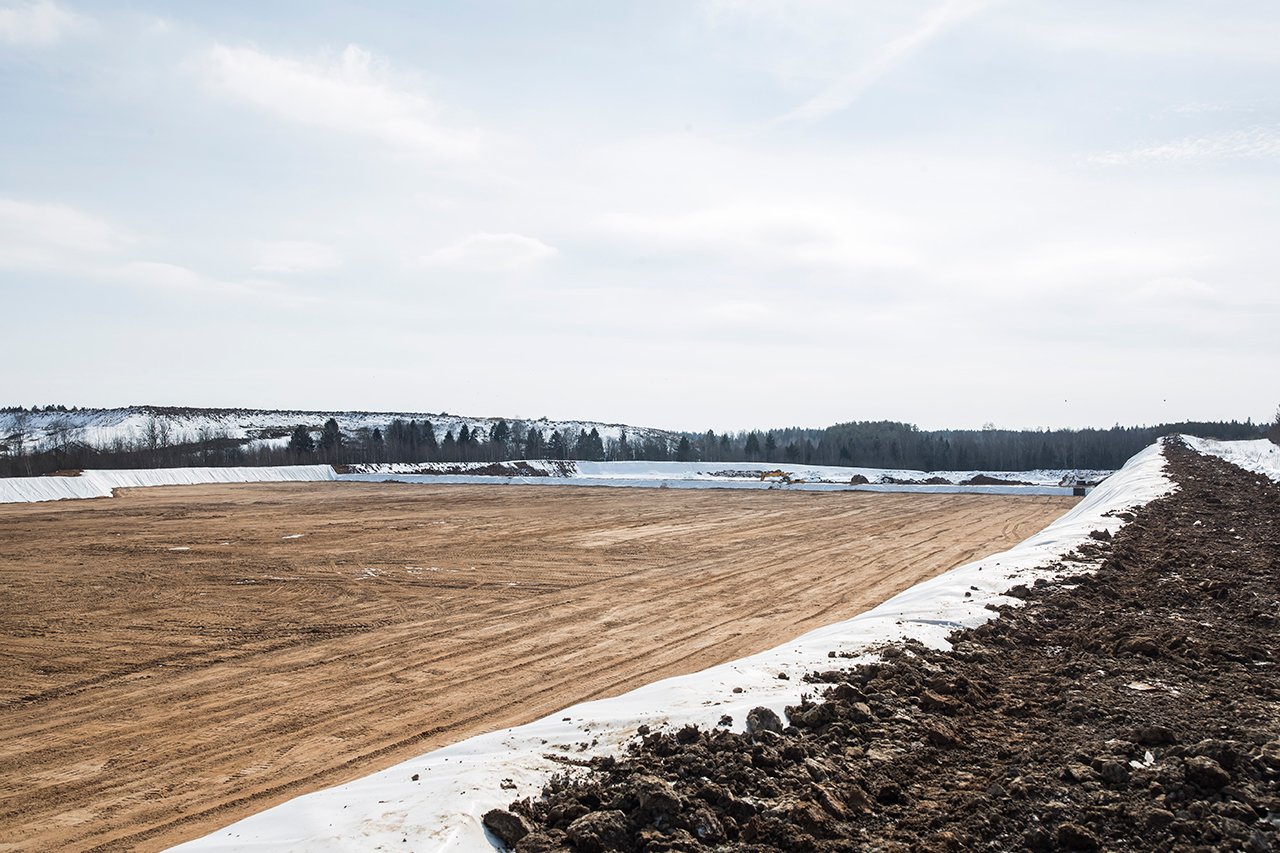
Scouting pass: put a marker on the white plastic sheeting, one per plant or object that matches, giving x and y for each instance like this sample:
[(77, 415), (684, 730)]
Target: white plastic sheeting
[(100, 484)]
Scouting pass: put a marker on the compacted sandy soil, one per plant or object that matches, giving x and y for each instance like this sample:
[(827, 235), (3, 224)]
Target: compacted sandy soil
[(1137, 708), (175, 659)]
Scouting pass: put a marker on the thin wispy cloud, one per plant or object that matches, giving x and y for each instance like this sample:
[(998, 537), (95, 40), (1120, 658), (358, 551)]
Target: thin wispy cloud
[(43, 22), (485, 252), (52, 239), (294, 256), (176, 278), (779, 233), (1257, 143), (352, 93), (842, 92), (49, 236)]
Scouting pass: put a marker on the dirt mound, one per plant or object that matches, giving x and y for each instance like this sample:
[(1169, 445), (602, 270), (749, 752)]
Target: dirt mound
[(907, 481), (1135, 708), (984, 480)]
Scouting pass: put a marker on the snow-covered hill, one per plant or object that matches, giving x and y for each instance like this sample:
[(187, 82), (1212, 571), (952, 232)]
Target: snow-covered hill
[(105, 428)]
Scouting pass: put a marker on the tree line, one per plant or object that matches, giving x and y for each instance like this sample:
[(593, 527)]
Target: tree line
[(869, 444)]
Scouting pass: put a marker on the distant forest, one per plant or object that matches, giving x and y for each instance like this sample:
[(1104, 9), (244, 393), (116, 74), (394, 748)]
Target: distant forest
[(870, 444)]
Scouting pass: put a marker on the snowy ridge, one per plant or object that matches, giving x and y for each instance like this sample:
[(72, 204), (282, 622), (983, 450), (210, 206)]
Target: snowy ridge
[(100, 484), (1261, 456), (458, 784), (105, 427)]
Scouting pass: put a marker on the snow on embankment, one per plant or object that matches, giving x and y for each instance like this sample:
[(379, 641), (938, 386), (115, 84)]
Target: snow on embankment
[(435, 801), (100, 484), (1261, 456)]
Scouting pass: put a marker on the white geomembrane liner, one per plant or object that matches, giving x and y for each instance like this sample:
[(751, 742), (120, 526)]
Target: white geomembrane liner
[(99, 484), (457, 784), (677, 475)]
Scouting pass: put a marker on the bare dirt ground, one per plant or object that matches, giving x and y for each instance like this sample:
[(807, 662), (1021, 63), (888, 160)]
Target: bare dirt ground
[(175, 659)]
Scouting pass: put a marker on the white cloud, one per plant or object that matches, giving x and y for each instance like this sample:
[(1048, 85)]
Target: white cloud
[(175, 277), (159, 274), (47, 236), (1189, 31), (845, 90), (352, 93), (777, 233), (484, 252), (56, 238), (41, 22), (294, 256), (1257, 143), (1169, 289)]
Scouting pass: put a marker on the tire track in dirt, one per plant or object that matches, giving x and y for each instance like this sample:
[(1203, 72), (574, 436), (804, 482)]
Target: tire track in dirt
[(169, 693)]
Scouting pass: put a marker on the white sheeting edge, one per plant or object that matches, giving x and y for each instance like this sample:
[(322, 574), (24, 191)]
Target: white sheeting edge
[(725, 483), (1260, 457), (100, 484), (457, 784)]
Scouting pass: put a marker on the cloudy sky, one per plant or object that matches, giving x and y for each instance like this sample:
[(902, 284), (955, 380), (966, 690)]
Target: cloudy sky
[(724, 214)]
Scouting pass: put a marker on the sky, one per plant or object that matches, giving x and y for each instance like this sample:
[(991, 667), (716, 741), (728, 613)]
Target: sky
[(701, 214)]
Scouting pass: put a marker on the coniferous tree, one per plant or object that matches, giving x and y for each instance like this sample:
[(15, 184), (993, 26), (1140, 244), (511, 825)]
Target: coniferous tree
[(684, 452), (331, 439), (589, 446), (501, 434), (300, 442), (533, 444), (374, 447), (430, 449)]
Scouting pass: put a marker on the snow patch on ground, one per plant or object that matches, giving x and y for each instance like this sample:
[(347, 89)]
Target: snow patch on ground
[(1261, 456), (456, 785)]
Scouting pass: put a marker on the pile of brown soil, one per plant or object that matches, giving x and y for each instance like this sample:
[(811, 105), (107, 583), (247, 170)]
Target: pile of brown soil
[(1136, 708), (984, 480)]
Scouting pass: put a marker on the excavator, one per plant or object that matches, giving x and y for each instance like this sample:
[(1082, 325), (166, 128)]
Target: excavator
[(779, 477)]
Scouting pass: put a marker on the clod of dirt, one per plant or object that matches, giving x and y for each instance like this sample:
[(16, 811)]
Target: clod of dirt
[(599, 831), (507, 827), (1072, 836), (763, 720), (1204, 772)]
